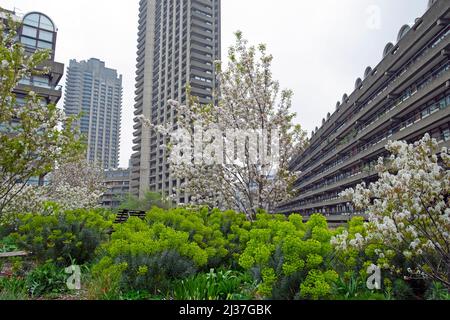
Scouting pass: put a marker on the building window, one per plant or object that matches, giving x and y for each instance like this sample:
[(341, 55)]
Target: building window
[(28, 41), (46, 36), (29, 31), (37, 31)]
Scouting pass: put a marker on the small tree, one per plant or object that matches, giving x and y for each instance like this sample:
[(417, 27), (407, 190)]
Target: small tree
[(30, 139), (75, 184), (150, 200), (408, 209), (250, 102), (78, 173)]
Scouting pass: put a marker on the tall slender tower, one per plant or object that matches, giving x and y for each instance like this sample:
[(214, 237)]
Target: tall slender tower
[(96, 92), (179, 40)]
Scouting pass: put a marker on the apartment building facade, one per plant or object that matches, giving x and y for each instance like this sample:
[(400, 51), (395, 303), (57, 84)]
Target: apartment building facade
[(179, 40), (405, 96), (38, 31), (95, 92), (117, 184)]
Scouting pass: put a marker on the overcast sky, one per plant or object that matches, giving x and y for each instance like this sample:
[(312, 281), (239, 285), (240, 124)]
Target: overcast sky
[(320, 47)]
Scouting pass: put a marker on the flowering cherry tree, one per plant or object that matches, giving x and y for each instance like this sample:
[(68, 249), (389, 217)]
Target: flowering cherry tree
[(408, 209), (30, 139), (75, 184), (252, 113)]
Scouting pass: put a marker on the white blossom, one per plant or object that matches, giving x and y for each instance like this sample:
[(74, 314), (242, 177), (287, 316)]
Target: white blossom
[(408, 207)]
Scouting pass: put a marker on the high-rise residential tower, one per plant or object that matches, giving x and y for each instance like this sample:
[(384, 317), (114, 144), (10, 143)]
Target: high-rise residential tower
[(179, 40), (95, 92)]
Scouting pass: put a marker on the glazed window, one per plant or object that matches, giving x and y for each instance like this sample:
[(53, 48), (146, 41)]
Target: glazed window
[(38, 31)]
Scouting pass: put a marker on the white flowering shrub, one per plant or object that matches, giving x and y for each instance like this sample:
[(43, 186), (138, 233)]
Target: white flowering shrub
[(73, 185), (408, 210)]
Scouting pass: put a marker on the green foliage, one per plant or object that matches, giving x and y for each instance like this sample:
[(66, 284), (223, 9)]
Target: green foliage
[(220, 285), (135, 295), (352, 264), (437, 291), (318, 285), (222, 235), (104, 280), (167, 255), (47, 279), (13, 289), (352, 259), (155, 273), (286, 253), (64, 237), (173, 244), (8, 244), (354, 287), (402, 291), (150, 255), (150, 200)]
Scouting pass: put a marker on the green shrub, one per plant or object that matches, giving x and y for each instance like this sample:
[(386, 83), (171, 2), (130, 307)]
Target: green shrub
[(47, 279), (155, 273), (64, 237), (285, 252), (104, 279), (402, 291), (221, 285), (353, 262), (150, 256), (318, 285), (221, 234), (150, 200), (171, 244)]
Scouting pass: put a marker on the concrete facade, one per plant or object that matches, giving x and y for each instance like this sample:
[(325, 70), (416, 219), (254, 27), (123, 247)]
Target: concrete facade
[(117, 183), (95, 92), (405, 96), (38, 31), (179, 40)]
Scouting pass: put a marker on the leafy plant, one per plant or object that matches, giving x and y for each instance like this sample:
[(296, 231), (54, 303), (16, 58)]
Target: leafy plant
[(64, 236), (286, 252), (103, 282), (8, 244), (318, 284), (221, 285), (135, 295), (154, 273), (150, 200), (222, 235), (47, 279), (149, 255), (13, 289), (349, 289), (437, 291), (402, 291)]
